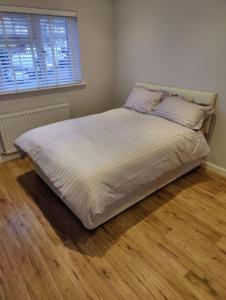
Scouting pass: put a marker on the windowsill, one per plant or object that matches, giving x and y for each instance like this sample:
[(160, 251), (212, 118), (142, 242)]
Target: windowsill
[(74, 85)]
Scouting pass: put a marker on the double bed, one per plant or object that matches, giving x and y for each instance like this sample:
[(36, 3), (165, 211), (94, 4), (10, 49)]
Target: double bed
[(102, 164)]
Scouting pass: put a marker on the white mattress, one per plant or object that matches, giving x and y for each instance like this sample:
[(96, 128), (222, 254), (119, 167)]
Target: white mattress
[(94, 162)]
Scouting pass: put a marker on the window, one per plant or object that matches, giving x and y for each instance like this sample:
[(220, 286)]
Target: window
[(38, 50)]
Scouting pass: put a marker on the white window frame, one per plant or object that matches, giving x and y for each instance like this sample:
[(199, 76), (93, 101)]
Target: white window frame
[(37, 11), (40, 11)]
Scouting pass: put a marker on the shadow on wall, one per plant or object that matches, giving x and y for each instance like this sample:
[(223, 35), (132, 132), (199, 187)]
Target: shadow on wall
[(96, 243)]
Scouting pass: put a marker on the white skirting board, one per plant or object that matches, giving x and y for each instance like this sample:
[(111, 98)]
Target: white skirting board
[(214, 168)]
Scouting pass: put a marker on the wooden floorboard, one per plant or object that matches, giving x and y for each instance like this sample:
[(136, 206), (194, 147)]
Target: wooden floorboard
[(170, 246)]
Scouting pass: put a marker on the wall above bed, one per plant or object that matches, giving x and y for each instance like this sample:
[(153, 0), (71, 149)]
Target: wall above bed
[(177, 43)]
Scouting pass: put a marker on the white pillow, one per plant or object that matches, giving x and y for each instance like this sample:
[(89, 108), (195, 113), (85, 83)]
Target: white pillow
[(143, 100), (185, 113)]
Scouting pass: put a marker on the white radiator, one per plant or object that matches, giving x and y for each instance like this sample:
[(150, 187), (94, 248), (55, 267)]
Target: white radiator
[(14, 124)]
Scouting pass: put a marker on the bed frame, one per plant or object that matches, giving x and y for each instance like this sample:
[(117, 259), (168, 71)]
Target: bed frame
[(199, 97)]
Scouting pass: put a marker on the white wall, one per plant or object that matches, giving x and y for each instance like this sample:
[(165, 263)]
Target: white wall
[(174, 42), (96, 42)]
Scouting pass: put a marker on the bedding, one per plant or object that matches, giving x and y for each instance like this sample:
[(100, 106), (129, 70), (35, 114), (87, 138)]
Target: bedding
[(143, 100), (97, 160), (178, 110)]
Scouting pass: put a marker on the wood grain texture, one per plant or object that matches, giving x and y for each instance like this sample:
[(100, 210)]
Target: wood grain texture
[(172, 245)]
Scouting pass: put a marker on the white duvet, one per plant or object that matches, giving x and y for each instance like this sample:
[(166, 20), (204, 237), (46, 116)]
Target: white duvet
[(96, 160)]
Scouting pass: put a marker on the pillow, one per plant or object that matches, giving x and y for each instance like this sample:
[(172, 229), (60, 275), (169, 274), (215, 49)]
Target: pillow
[(143, 100), (185, 113)]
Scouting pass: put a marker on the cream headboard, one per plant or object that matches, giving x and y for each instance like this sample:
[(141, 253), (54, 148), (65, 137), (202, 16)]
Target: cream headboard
[(199, 97)]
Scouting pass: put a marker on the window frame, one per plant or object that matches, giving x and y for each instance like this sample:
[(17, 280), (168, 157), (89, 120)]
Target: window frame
[(44, 12)]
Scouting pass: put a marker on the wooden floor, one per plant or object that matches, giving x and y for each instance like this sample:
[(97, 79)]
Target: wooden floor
[(171, 245)]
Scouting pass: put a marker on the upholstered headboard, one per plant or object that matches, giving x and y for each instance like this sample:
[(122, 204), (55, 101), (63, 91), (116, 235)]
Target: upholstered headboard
[(199, 97)]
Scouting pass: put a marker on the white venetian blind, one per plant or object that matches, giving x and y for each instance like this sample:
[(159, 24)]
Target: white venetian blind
[(38, 51)]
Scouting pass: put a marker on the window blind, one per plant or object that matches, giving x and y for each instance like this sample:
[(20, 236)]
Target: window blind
[(38, 51)]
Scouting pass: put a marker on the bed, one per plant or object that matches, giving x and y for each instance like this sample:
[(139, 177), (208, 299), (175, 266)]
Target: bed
[(102, 164)]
